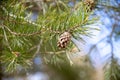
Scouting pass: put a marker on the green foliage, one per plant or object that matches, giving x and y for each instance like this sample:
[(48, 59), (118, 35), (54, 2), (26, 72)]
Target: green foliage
[(14, 60), (20, 35), (112, 70), (68, 72)]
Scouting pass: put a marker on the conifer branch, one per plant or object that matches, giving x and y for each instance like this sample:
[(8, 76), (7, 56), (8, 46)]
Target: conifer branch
[(45, 30), (20, 34), (26, 35)]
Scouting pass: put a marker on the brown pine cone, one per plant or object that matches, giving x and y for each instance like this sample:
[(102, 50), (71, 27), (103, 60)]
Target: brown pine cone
[(64, 39), (90, 3)]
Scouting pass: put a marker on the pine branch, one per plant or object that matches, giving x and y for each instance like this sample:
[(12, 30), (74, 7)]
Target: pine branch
[(20, 34), (23, 36)]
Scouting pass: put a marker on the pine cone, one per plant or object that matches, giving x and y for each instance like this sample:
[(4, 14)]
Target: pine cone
[(90, 3), (64, 39)]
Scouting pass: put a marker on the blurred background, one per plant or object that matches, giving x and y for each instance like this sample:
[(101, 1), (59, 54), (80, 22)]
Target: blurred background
[(96, 58)]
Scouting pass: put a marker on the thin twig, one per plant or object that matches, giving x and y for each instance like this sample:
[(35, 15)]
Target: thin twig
[(111, 42), (30, 34), (50, 52), (112, 48), (20, 34), (96, 45)]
